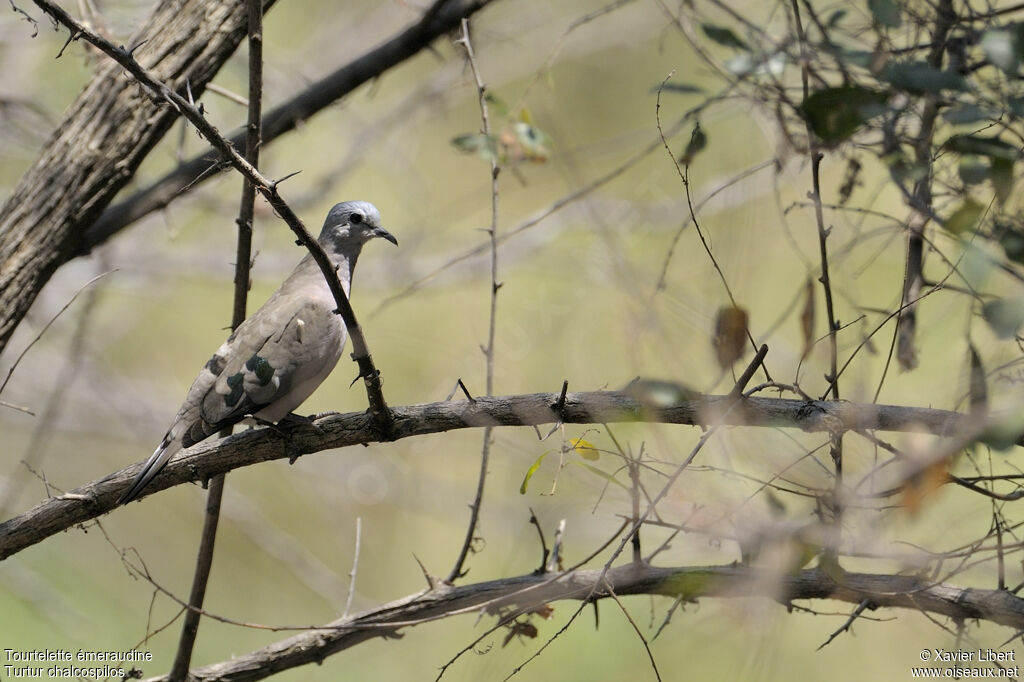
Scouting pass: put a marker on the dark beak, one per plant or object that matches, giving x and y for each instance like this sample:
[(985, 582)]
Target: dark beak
[(381, 232)]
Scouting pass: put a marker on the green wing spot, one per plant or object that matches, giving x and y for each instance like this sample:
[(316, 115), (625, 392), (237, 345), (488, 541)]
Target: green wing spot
[(261, 368), (235, 384)]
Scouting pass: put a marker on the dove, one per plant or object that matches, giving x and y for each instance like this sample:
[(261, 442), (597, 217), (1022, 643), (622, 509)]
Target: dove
[(278, 356)]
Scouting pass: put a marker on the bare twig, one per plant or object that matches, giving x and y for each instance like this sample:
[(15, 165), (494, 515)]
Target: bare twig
[(355, 568), (361, 354), (243, 260), (485, 450), (441, 17), (42, 331)]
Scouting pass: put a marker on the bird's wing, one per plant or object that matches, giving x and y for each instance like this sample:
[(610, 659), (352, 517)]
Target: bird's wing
[(284, 344), (270, 364)]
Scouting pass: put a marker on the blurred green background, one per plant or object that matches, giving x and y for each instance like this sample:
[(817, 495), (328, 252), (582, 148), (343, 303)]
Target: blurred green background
[(580, 301)]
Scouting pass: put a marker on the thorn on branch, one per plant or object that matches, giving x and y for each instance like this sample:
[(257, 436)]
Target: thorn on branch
[(275, 183), (465, 391), (368, 377), (559, 405), (136, 46), (72, 36)]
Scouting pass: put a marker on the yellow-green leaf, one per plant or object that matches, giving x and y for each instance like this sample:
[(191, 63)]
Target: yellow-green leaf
[(965, 217), (608, 477), (585, 449), (531, 471)]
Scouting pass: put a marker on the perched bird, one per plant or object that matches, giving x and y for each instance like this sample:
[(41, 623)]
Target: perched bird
[(275, 359)]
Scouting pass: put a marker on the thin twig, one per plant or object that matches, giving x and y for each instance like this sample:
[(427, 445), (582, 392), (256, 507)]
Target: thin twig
[(355, 568), (65, 377), (243, 262), (485, 450), (814, 151), (861, 607), (42, 331), (439, 19), (361, 355)]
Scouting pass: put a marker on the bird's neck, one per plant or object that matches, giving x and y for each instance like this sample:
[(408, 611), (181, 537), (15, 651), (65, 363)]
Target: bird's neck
[(346, 265)]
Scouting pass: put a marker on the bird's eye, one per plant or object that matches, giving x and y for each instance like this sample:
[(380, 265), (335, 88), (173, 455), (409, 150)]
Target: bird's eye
[(356, 218)]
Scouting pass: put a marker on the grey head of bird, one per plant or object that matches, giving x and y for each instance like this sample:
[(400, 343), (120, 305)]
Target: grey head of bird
[(351, 224)]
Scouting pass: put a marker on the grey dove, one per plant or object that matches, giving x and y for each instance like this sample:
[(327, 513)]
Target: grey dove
[(280, 354)]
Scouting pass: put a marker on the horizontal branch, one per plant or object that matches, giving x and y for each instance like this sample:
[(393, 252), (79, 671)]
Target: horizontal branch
[(524, 593), (210, 458)]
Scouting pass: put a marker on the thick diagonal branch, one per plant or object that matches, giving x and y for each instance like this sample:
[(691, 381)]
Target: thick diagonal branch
[(441, 18), (161, 91), (105, 135)]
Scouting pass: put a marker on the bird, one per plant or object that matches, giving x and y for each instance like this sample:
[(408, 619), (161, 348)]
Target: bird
[(280, 354)]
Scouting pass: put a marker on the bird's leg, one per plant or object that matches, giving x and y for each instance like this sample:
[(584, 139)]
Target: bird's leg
[(320, 415)]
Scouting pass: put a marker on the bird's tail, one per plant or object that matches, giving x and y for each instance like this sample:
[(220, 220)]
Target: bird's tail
[(156, 462)]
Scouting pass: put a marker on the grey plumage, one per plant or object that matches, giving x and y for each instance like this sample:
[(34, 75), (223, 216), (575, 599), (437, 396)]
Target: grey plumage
[(280, 354)]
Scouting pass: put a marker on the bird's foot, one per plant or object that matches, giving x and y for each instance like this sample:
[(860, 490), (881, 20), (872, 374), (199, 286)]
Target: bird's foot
[(289, 422)]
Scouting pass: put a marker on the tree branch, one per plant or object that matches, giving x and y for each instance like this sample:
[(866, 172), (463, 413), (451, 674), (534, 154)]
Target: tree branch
[(514, 596), (360, 351), (442, 17), (243, 257), (106, 134), (210, 458)]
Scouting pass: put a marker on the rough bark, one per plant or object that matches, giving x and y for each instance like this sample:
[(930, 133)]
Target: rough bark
[(522, 593), (210, 458), (107, 132)]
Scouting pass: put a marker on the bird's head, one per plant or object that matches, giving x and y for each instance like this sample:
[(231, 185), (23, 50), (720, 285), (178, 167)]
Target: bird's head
[(351, 224)]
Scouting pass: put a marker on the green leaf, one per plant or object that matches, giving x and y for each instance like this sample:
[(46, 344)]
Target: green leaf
[(1001, 437), (482, 145), (723, 36), (964, 114), (835, 114), (921, 78), (1001, 48), (835, 18), (973, 169), (1004, 434), (861, 58), (1004, 316), (1002, 178), (903, 169), (597, 472), (977, 392), (1016, 105), (682, 88), (531, 471), (1012, 241), (991, 147), (885, 13), (698, 140), (496, 103), (965, 217)]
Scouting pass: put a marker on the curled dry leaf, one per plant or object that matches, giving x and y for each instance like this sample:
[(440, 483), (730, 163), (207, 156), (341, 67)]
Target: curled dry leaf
[(730, 335)]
